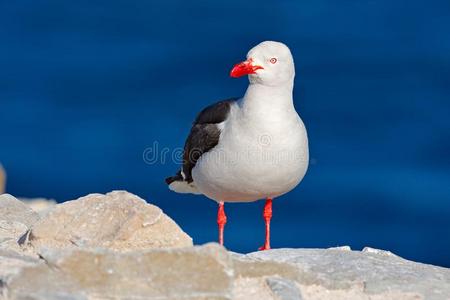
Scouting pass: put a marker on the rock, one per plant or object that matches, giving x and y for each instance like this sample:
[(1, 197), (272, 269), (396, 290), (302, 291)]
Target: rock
[(2, 180), (255, 278), (116, 246), (337, 274), (10, 233), (343, 248), (201, 272), (118, 220), (247, 267), (15, 220), (245, 288), (13, 210), (210, 272), (284, 289), (11, 264), (377, 251), (40, 205)]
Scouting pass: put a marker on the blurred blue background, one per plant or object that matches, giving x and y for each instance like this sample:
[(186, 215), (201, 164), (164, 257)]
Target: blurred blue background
[(87, 86)]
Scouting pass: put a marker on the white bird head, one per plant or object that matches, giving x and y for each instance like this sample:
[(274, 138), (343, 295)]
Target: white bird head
[(268, 63)]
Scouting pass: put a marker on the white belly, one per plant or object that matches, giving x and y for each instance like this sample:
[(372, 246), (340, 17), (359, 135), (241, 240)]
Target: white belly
[(254, 162)]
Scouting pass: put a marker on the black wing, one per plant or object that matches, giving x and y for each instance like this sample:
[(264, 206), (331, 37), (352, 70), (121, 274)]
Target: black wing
[(204, 136)]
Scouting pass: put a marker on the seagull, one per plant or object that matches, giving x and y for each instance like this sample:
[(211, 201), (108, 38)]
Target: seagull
[(250, 148)]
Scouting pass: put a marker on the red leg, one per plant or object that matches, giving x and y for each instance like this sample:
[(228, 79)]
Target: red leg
[(221, 221), (267, 215)]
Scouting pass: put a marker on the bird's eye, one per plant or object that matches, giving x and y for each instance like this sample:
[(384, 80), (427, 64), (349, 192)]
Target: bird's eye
[(273, 60)]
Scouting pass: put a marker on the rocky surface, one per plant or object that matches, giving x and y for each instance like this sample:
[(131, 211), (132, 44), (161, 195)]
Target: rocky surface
[(40, 205), (116, 246), (345, 274), (187, 273), (13, 210), (118, 221), (15, 220)]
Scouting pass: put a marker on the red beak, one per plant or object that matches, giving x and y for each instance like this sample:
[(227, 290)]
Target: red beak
[(244, 68)]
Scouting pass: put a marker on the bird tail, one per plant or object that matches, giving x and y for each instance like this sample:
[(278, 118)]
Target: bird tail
[(178, 184)]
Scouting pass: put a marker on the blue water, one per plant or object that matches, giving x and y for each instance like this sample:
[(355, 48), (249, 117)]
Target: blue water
[(87, 86)]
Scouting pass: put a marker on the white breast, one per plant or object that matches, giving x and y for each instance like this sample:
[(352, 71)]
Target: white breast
[(260, 154)]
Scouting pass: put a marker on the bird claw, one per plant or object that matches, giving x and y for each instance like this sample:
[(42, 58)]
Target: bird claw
[(265, 247)]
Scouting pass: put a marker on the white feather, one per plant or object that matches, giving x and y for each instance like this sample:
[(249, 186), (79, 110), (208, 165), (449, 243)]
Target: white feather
[(183, 187)]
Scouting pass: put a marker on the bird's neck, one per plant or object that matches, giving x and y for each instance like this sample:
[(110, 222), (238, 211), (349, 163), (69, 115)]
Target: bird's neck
[(260, 97)]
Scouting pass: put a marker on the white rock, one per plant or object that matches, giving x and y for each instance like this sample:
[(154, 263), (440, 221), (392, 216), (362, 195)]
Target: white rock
[(284, 289), (12, 209), (11, 264), (15, 220), (203, 272), (246, 288), (209, 272), (332, 274), (118, 220), (10, 233), (116, 246), (40, 205), (343, 248), (377, 251)]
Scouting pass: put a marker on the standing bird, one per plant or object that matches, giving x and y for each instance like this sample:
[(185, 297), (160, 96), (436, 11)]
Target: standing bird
[(249, 148)]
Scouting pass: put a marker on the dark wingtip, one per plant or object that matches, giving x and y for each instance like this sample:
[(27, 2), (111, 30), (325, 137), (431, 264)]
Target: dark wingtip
[(169, 180), (177, 177)]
